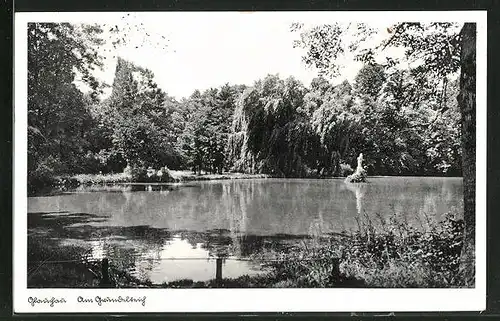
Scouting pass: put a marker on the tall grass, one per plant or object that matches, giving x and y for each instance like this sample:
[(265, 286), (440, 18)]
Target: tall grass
[(390, 254), (141, 177), (95, 179)]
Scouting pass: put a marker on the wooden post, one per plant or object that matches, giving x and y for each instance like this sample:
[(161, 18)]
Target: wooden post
[(105, 281), (218, 271), (336, 269)]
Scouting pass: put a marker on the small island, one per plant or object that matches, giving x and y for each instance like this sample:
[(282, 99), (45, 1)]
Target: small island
[(359, 176)]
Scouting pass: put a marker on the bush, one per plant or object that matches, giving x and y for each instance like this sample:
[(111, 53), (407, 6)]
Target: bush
[(43, 176), (359, 176), (90, 163), (391, 255), (137, 174), (110, 161), (164, 175), (150, 175), (401, 256), (92, 179), (345, 170)]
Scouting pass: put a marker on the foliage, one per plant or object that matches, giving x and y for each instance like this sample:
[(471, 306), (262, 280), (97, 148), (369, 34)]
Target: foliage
[(205, 138), (335, 122), (433, 47), (400, 134), (70, 272), (58, 113), (42, 176), (271, 131), (149, 175), (390, 255), (141, 125), (398, 255), (408, 102), (101, 179), (63, 99), (369, 80)]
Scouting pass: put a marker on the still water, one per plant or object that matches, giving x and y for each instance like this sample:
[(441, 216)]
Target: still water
[(170, 232)]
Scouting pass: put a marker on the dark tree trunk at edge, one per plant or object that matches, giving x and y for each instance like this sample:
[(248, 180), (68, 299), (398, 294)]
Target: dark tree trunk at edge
[(467, 105)]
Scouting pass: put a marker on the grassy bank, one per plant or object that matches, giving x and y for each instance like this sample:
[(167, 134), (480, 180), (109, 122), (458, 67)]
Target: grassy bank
[(388, 254), (50, 265), (178, 176), (63, 182)]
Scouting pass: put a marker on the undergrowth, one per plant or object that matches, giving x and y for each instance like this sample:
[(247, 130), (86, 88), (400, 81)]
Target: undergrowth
[(392, 254)]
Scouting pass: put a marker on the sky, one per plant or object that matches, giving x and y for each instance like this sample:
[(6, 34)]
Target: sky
[(205, 51), (199, 50)]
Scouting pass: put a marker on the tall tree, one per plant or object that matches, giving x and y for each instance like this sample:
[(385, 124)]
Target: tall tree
[(334, 122), (142, 129), (271, 129), (58, 114), (467, 104), (206, 134)]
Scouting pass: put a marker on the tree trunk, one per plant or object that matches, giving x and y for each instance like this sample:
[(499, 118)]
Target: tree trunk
[(467, 104)]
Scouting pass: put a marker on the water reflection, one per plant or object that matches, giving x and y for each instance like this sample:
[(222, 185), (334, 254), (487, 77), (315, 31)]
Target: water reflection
[(413, 200), (140, 228), (159, 255), (359, 190)]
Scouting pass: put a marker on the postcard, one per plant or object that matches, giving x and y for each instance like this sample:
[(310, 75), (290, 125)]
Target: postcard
[(250, 161)]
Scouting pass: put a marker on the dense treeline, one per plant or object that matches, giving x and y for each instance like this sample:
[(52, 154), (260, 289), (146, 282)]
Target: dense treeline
[(405, 122), (284, 129)]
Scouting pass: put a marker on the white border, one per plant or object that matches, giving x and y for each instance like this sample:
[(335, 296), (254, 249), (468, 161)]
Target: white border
[(246, 300)]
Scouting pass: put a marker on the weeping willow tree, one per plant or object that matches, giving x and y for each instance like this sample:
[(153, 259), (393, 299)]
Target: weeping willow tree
[(238, 150), (283, 129), (271, 132), (334, 123)]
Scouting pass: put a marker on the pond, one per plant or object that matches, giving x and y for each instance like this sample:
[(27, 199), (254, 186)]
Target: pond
[(164, 233)]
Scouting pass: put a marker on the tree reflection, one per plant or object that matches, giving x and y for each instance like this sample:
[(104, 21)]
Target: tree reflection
[(228, 219)]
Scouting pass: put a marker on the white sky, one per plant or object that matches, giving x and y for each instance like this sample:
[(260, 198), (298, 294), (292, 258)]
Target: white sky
[(206, 54), (209, 49)]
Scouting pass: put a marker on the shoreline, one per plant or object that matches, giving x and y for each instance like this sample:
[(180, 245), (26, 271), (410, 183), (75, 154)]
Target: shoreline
[(178, 177), (181, 176), (64, 183)]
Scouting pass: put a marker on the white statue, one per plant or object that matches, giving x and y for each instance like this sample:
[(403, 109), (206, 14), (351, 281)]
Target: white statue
[(359, 176), (360, 161)]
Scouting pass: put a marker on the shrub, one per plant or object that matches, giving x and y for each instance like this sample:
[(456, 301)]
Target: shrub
[(110, 161), (390, 255), (149, 175), (137, 174), (345, 170), (164, 175), (397, 255), (43, 176), (359, 176), (90, 163)]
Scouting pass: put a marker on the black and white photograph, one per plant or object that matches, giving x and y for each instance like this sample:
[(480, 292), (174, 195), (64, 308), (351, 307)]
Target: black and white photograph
[(248, 150)]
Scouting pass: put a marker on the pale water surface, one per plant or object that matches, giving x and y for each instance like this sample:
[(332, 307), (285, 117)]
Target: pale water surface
[(172, 232)]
